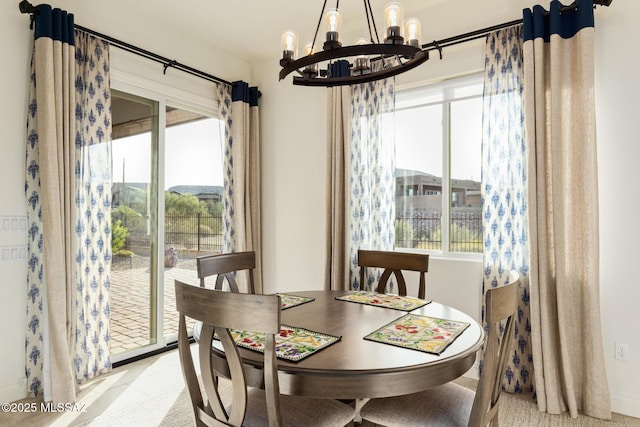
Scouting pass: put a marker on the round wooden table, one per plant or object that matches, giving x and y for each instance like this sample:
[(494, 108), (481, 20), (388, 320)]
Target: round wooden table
[(355, 368)]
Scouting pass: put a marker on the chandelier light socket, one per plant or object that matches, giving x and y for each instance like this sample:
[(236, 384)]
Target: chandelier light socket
[(333, 19), (289, 43), (310, 71), (361, 64), (394, 15), (413, 32)]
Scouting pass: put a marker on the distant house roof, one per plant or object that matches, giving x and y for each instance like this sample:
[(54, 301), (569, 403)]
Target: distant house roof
[(408, 172), (436, 180), (197, 190), (117, 186)]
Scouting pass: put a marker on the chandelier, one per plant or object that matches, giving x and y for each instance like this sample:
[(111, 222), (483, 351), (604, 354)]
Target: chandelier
[(366, 60)]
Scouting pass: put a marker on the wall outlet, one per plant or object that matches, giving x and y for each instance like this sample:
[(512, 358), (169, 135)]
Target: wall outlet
[(622, 351)]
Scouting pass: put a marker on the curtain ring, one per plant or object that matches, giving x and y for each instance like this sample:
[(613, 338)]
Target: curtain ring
[(169, 64), (435, 43)]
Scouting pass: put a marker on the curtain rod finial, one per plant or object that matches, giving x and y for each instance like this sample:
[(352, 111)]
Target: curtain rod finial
[(26, 7)]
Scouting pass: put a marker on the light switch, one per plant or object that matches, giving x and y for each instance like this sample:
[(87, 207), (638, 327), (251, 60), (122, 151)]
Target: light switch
[(13, 253), (13, 224)]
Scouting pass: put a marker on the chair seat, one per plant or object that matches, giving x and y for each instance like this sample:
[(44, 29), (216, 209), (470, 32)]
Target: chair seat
[(447, 405), (298, 411)]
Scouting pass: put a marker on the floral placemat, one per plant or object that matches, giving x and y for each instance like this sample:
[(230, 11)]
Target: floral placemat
[(292, 343), (385, 300), (288, 301), (423, 333)]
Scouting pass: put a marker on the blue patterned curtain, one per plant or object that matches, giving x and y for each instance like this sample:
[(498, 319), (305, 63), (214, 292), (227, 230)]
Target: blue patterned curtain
[(68, 192), (566, 333), (504, 191), (242, 213), (228, 228), (372, 173)]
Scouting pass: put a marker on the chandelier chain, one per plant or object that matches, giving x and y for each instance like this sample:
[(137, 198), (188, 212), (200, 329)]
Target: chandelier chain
[(369, 12), (315, 36)]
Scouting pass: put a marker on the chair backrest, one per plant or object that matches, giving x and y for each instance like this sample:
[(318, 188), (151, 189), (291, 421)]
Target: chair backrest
[(225, 266), (218, 311), (501, 304), (394, 263)]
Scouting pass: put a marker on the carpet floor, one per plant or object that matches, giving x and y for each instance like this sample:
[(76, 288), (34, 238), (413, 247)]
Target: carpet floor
[(173, 409), (151, 393)]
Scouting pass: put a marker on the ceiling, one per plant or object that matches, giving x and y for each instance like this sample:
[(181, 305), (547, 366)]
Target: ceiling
[(252, 28)]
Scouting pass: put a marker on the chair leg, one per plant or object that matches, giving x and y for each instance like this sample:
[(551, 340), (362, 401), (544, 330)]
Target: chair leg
[(359, 404)]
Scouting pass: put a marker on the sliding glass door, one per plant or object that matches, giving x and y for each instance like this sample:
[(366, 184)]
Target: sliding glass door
[(193, 189), (134, 293), (166, 211)]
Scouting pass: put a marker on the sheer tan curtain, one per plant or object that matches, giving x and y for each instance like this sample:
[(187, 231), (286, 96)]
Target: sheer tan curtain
[(504, 189), (563, 206), (372, 172), (338, 125)]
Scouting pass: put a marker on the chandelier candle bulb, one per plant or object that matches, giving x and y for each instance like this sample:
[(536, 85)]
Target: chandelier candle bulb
[(289, 42), (334, 20), (413, 32), (394, 15)]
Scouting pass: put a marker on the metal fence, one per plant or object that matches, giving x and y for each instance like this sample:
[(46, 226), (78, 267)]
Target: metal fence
[(423, 230), (200, 233), (414, 229)]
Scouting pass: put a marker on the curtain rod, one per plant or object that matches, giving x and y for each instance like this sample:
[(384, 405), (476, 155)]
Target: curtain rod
[(26, 7), (473, 35)]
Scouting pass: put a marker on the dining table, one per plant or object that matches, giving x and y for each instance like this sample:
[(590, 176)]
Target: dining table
[(357, 368)]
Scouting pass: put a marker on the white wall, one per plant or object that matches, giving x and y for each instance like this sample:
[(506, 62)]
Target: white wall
[(14, 39), (294, 162), (617, 95), (293, 182)]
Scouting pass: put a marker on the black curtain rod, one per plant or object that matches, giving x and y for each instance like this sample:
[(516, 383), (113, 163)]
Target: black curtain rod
[(26, 7), (166, 62)]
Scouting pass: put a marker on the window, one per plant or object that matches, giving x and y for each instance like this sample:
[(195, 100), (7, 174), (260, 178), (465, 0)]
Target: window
[(438, 163)]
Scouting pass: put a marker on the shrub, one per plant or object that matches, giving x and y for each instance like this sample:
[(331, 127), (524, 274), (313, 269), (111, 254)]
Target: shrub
[(119, 235)]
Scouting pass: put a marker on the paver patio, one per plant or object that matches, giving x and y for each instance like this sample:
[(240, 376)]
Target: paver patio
[(130, 305)]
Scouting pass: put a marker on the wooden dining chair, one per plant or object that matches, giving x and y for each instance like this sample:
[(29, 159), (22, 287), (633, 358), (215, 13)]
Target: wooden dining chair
[(394, 263), (225, 266), (452, 404), (249, 406)]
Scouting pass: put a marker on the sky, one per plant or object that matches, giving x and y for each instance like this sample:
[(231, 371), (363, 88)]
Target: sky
[(419, 139), (193, 155)]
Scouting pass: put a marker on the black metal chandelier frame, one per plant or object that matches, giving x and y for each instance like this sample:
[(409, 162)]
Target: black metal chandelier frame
[(397, 58)]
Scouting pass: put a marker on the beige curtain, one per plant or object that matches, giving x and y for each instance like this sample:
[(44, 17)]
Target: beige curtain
[(68, 192), (338, 124), (54, 68), (563, 205), (242, 178)]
